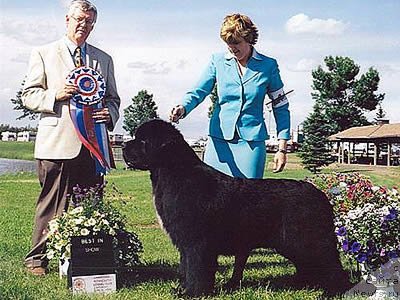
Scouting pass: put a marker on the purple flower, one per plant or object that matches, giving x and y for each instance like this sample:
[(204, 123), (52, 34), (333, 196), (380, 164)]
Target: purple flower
[(76, 189), (371, 248), (345, 245), (392, 215), (335, 190), (392, 254), (355, 247), (341, 231), (361, 257), (384, 226)]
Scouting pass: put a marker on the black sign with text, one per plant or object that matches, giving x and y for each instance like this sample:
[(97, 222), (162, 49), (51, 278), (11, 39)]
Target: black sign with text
[(91, 255)]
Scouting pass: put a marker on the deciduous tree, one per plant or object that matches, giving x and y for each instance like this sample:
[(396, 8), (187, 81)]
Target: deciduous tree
[(214, 98), (143, 108), (18, 105)]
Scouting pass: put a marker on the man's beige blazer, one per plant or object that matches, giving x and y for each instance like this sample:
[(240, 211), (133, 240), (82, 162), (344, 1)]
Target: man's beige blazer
[(49, 67)]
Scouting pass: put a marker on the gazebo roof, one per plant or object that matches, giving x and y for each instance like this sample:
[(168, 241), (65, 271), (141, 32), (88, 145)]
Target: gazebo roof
[(371, 132)]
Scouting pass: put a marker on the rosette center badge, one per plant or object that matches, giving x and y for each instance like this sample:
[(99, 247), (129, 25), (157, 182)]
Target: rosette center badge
[(90, 83)]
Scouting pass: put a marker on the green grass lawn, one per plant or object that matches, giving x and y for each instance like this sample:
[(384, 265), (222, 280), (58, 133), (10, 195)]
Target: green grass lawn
[(17, 150), (264, 277)]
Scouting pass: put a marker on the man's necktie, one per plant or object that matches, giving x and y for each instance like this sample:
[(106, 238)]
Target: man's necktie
[(78, 57)]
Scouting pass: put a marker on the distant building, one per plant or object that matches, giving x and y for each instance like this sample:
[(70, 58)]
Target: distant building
[(296, 138), (372, 144), (26, 136), (199, 142), (126, 138), (7, 136), (116, 138)]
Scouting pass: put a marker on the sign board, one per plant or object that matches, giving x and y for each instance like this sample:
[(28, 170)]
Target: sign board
[(92, 265), (94, 284)]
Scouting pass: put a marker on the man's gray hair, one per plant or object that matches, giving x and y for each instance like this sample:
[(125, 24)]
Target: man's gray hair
[(83, 5)]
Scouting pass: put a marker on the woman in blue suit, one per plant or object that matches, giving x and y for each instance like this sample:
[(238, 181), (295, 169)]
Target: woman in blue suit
[(237, 130)]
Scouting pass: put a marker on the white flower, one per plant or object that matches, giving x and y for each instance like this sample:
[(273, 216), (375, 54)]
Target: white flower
[(50, 254), (375, 188), (85, 231), (68, 250), (105, 222), (343, 184), (79, 220), (58, 246), (77, 210), (53, 226)]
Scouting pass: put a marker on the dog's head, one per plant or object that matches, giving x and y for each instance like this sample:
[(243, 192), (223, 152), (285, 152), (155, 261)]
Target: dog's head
[(157, 143)]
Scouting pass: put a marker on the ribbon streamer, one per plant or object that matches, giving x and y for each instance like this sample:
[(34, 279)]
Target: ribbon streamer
[(93, 135)]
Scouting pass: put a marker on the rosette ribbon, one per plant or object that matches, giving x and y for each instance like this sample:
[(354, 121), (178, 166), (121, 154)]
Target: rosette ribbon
[(93, 135)]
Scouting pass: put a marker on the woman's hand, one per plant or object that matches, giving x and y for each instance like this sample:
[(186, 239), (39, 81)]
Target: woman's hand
[(177, 113), (280, 158)]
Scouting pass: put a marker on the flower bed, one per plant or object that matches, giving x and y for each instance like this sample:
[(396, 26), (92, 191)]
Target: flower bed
[(366, 217), (91, 211)]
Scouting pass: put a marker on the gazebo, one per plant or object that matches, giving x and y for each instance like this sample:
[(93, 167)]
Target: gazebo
[(379, 140)]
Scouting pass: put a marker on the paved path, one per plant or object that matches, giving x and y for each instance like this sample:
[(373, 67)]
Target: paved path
[(16, 165)]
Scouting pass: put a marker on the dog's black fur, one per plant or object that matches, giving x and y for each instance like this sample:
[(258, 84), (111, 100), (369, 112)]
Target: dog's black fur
[(207, 213)]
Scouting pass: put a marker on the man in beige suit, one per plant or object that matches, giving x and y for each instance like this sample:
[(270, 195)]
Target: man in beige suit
[(63, 161)]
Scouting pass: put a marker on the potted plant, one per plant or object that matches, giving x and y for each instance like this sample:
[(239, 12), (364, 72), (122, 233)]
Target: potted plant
[(367, 219), (93, 212)]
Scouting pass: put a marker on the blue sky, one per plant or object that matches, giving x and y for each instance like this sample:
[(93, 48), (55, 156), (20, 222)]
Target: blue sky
[(162, 46)]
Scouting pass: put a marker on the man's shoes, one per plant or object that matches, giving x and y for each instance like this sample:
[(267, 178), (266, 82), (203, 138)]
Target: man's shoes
[(37, 271)]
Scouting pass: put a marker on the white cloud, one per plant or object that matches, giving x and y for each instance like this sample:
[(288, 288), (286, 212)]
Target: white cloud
[(167, 73), (168, 61), (302, 23), (304, 65), (65, 3), (160, 67), (30, 30)]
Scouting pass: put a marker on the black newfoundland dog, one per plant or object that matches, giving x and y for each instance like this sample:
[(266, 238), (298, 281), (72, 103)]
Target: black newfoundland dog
[(207, 213)]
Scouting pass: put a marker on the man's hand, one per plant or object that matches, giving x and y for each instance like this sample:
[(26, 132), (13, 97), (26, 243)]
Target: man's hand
[(177, 113), (66, 92), (101, 115)]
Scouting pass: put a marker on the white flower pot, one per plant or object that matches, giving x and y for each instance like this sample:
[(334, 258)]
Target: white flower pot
[(63, 267)]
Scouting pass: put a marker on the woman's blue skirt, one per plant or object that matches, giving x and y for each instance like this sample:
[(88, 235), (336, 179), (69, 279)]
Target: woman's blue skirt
[(237, 158)]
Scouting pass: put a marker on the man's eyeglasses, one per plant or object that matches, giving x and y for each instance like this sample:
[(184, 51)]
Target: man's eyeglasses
[(84, 21)]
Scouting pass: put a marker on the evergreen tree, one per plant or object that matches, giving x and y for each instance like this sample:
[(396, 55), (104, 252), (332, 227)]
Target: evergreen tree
[(18, 105), (343, 98), (380, 114), (143, 108), (214, 100), (341, 101), (314, 152)]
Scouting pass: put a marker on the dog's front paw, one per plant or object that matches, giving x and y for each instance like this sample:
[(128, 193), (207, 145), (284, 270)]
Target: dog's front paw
[(232, 284)]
